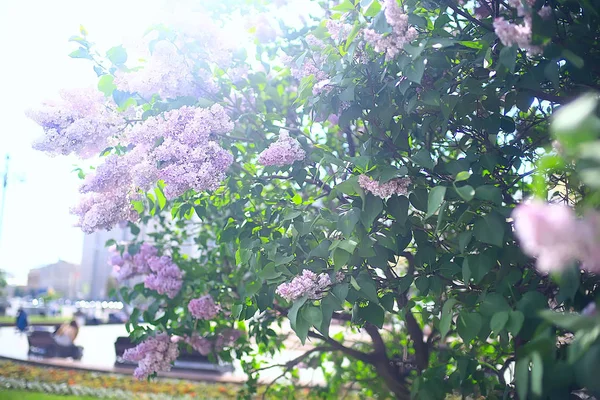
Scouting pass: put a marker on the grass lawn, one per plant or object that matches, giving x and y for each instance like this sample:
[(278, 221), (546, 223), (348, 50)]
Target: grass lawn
[(36, 319), (23, 395)]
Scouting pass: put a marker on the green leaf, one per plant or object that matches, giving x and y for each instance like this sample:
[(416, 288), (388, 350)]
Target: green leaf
[(252, 288), (465, 192), (340, 258), (414, 71), (515, 322), (293, 313), (348, 221), (423, 159), (117, 55), (537, 374), (462, 176), (435, 199), (489, 193), (468, 325), (490, 229), (398, 207), (321, 251), (81, 52), (464, 238), (446, 319), (572, 322), (313, 315), (522, 377), (372, 313), (498, 321), (106, 85), (508, 57), (422, 284), (372, 207), (367, 285)]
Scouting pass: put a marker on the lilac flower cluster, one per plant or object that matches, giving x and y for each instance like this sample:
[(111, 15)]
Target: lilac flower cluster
[(165, 276), (338, 30), (556, 237), (308, 284), (187, 158), (204, 346), (285, 151), (386, 189), (203, 308), (155, 354), (226, 338), (103, 210), (201, 344), (80, 123), (161, 273), (520, 34), (401, 33), (166, 73), (310, 67)]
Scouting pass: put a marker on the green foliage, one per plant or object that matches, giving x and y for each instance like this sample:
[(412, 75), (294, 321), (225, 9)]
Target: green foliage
[(467, 121)]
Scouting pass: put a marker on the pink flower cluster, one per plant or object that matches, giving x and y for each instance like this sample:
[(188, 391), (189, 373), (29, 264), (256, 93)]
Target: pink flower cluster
[(386, 189), (519, 34), (161, 273), (80, 123), (155, 354), (308, 284), (556, 237), (401, 33), (203, 308), (310, 67), (285, 151), (338, 30)]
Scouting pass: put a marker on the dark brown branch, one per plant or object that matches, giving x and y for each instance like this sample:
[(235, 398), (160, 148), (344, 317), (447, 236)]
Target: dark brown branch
[(351, 145), (292, 363), (359, 355), (467, 15)]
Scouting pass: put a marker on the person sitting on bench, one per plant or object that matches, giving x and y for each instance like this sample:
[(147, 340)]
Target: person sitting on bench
[(66, 333)]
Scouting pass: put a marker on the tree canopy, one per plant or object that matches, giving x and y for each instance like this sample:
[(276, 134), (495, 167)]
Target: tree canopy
[(360, 168)]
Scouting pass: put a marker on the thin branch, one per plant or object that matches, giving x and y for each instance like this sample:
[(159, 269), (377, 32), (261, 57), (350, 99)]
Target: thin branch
[(467, 16)]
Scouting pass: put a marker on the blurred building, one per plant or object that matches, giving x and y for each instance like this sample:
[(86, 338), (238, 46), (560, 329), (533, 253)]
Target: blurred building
[(61, 277)]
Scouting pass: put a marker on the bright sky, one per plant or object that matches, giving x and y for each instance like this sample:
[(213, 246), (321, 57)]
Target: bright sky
[(37, 228)]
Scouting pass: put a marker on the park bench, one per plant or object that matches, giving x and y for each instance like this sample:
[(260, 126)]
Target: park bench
[(189, 360), (42, 344)]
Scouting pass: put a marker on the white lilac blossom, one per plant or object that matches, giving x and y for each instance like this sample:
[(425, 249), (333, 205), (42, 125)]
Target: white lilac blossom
[(203, 308), (308, 284), (80, 123), (556, 237), (338, 30), (285, 151), (155, 354), (401, 34), (398, 186), (519, 34)]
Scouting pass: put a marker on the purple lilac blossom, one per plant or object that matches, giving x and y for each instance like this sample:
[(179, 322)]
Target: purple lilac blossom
[(308, 284), (155, 354), (285, 151), (226, 338), (80, 123), (384, 190), (203, 308), (165, 276)]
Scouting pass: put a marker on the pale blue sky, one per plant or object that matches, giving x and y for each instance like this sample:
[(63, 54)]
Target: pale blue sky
[(37, 228)]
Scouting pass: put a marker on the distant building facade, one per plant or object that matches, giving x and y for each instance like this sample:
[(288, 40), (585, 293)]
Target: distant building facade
[(61, 277)]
